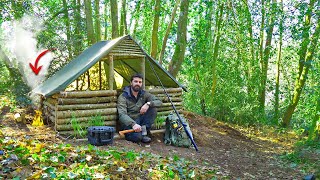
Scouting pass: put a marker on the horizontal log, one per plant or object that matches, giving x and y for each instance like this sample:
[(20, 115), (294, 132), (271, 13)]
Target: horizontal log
[(90, 112), (168, 108), (84, 126), (169, 104), (170, 95), (51, 106), (87, 106), (86, 119), (83, 94), (51, 101), (173, 99), (166, 113), (127, 54), (93, 100), (168, 90)]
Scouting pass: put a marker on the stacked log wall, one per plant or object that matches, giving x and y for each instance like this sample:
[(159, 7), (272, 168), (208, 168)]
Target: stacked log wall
[(81, 106)]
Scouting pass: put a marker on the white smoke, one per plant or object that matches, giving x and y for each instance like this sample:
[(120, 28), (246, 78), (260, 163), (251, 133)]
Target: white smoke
[(20, 38)]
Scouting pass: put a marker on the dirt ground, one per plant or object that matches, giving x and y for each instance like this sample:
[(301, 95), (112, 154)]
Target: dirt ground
[(231, 151)]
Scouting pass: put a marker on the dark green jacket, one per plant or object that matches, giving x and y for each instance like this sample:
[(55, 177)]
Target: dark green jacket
[(129, 107)]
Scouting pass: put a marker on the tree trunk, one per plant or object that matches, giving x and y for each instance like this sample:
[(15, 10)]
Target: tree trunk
[(89, 22), (106, 19), (77, 22), (97, 20), (261, 99), (277, 91), (312, 133), (123, 19), (165, 38), (67, 21), (178, 56), (154, 39), (302, 77), (114, 18), (251, 63), (216, 48), (266, 55)]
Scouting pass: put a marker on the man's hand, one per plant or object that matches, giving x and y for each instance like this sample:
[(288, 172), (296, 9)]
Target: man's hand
[(136, 128), (144, 108)]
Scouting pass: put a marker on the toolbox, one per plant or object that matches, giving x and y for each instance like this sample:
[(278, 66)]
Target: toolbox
[(100, 135)]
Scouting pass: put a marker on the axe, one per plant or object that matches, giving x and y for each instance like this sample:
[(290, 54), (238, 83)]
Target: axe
[(143, 131)]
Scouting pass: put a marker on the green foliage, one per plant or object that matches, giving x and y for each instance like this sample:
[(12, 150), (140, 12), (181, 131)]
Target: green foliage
[(78, 130), (158, 123), (63, 161), (299, 158), (96, 121)]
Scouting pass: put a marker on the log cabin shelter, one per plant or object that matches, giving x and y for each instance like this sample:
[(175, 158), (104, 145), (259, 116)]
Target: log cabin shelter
[(101, 65), (90, 84)]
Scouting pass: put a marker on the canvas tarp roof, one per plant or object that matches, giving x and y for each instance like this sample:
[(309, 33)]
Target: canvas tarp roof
[(126, 67)]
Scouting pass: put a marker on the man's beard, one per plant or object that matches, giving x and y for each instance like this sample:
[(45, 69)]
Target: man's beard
[(136, 88)]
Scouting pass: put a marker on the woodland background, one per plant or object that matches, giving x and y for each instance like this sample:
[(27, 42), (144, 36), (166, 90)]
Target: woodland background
[(247, 62)]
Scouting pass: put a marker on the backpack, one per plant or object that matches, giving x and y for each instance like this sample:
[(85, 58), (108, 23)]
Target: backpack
[(175, 134)]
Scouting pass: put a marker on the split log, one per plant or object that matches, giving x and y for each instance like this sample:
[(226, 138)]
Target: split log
[(84, 94), (94, 100), (168, 90), (82, 113), (84, 126), (86, 119), (87, 106)]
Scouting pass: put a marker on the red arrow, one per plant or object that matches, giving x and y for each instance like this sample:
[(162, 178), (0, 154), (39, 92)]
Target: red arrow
[(35, 68)]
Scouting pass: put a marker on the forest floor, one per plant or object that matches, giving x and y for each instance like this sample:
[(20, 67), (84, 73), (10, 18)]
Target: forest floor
[(234, 151)]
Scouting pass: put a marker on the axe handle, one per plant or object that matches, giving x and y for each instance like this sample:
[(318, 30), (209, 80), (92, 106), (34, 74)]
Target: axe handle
[(125, 131)]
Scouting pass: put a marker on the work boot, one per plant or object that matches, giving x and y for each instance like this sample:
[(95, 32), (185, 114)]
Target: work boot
[(146, 139), (149, 133)]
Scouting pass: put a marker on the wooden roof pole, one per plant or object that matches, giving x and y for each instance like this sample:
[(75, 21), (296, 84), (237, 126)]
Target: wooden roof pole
[(143, 71), (111, 72)]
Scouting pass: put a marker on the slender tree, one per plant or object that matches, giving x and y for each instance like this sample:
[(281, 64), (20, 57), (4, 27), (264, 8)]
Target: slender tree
[(77, 22), (165, 38), (89, 22), (277, 89), (312, 133), (123, 19), (106, 18), (216, 43), (97, 20), (67, 21), (154, 39), (114, 18), (178, 56), (266, 55), (306, 54)]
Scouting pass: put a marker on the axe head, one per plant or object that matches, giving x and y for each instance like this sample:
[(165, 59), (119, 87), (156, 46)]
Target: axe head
[(144, 130)]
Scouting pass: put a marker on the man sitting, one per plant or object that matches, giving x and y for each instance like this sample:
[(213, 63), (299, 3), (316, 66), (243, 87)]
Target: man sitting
[(136, 108)]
